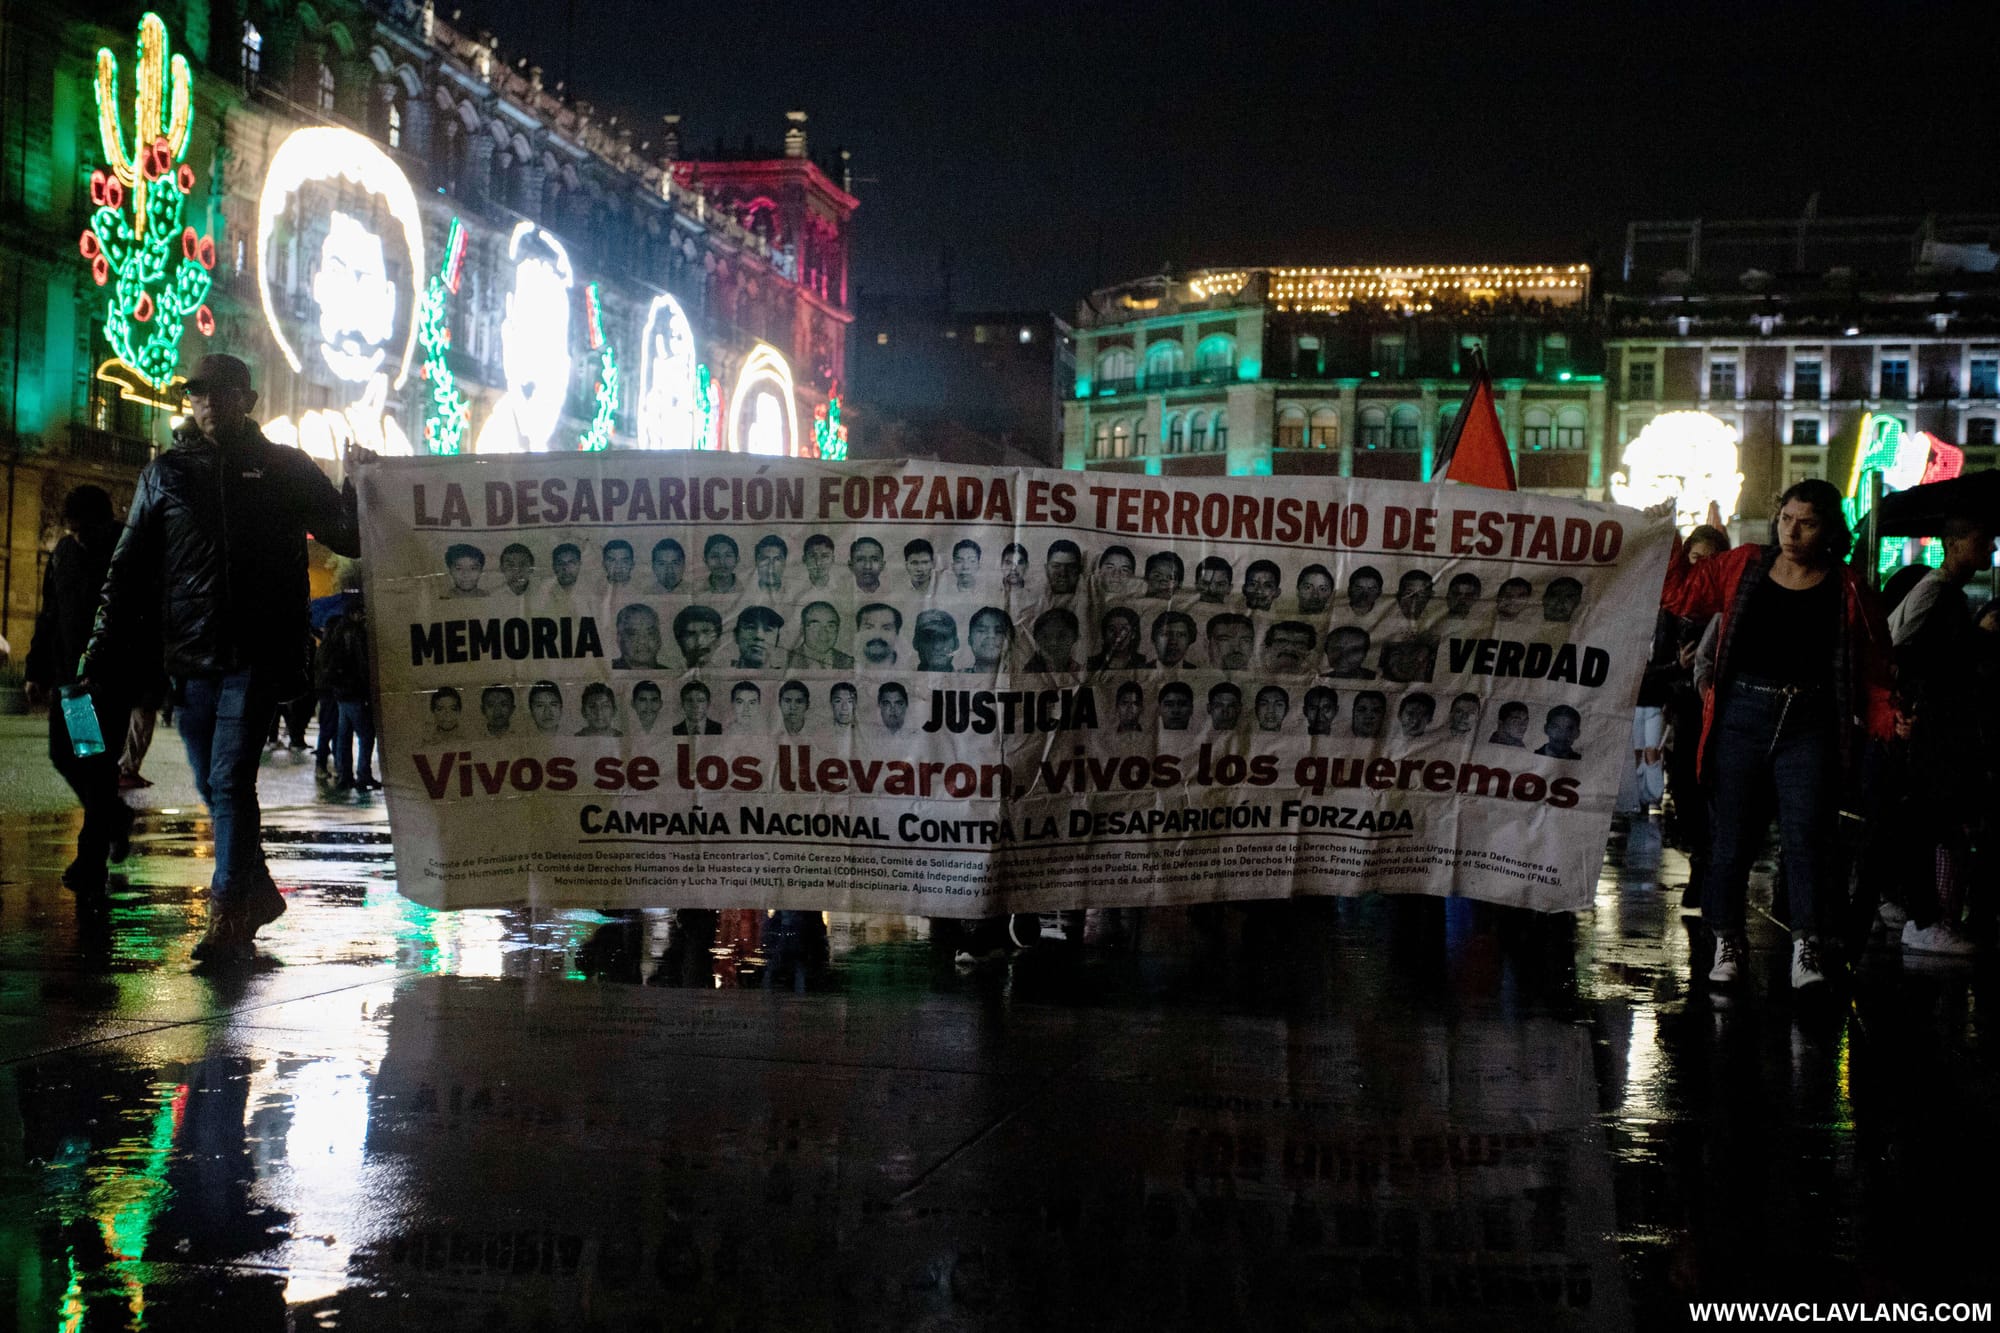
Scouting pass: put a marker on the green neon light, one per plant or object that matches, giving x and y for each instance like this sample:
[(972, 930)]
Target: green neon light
[(604, 420), (705, 401), (829, 434), (156, 290), (448, 416)]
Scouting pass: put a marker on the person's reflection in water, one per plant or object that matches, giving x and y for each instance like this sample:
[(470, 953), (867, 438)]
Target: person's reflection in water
[(795, 951), (688, 962)]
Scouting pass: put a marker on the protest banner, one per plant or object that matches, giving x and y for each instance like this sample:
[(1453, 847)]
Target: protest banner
[(699, 679)]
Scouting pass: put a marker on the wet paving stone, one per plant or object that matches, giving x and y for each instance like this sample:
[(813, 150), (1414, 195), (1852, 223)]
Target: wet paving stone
[(1317, 1114)]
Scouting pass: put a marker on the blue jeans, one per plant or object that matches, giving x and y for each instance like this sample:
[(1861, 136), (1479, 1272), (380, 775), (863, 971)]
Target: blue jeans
[(223, 721), (357, 722), (1772, 753)]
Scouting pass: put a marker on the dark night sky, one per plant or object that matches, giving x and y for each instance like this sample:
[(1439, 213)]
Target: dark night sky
[(1054, 147)]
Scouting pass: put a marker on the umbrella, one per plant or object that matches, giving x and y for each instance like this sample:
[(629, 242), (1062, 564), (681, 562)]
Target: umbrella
[(1921, 510)]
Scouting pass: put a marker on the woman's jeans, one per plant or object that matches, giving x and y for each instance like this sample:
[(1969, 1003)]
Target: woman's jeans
[(357, 725), (223, 721), (1772, 751)]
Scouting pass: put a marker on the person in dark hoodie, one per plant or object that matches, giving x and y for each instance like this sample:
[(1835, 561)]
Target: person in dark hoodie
[(209, 580), (70, 587)]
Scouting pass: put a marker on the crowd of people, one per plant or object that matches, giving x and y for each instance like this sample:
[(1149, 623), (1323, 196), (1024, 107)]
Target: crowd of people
[(1779, 688)]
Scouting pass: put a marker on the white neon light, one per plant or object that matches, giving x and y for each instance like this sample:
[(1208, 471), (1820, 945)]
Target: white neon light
[(669, 410), (763, 410), (326, 154), (356, 300), (1690, 457), (534, 346)]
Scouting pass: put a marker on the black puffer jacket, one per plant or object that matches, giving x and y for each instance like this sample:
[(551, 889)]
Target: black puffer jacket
[(70, 589), (210, 572)]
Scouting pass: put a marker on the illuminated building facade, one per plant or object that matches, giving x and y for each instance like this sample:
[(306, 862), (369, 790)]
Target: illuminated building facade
[(1336, 371), (374, 272), (1804, 334)]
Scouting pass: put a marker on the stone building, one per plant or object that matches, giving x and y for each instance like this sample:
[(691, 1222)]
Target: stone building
[(1336, 371), (753, 247)]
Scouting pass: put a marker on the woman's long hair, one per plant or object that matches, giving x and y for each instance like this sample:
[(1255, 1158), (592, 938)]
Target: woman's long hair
[(1835, 536)]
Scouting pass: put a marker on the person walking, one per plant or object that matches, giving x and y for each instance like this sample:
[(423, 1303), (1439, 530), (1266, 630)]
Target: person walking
[(1688, 827), (344, 659), (209, 580), (1945, 673), (70, 587), (1802, 676)]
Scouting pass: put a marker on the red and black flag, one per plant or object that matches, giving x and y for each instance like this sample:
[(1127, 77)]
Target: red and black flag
[(1474, 450)]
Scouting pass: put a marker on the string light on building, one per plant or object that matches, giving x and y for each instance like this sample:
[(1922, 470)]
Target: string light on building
[(340, 187), (604, 416), (534, 345), (1688, 457), (156, 267), (763, 410), (1204, 286), (448, 415), (670, 388), (1333, 290)]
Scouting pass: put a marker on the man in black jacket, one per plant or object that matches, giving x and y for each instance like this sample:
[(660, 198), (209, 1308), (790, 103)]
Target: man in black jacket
[(210, 578), (70, 588)]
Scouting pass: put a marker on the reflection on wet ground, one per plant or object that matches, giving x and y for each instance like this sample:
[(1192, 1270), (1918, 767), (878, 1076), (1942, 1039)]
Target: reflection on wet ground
[(1313, 1114)]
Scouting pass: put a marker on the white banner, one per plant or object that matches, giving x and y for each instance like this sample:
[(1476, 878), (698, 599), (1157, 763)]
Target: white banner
[(700, 679)]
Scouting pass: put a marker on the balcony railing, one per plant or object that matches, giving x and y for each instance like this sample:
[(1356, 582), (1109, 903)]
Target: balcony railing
[(90, 445)]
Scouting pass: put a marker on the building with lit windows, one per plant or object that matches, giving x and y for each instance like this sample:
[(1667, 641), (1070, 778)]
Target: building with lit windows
[(1792, 331), (1336, 372), (372, 204)]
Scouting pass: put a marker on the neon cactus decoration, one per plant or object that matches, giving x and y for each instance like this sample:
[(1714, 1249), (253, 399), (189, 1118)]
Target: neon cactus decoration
[(156, 267), (448, 416), (604, 419), (828, 433)]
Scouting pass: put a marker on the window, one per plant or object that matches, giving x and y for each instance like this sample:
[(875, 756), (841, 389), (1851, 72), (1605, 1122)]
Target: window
[(1642, 379), (1164, 361), (1115, 370), (881, 340), (1537, 429), (1386, 354), (1217, 352), (979, 333), (1100, 444), (1570, 428), (1980, 432), (1807, 380), (1291, 432), (395, 126), (1374, 428), (252, 54), (1197, 432), (326, 89), (1895, 381), (1805, 431), (1219, 438), (1403, 428), (1121, 440), (1722, 377), (1982, 379), (1175, 432), (1325, 433)]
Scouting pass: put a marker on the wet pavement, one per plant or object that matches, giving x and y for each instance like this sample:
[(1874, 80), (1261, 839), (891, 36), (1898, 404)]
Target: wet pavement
[(1396, 1113)]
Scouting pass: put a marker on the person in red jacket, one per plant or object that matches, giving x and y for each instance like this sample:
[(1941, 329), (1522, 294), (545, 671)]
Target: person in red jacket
[(1802, 674)]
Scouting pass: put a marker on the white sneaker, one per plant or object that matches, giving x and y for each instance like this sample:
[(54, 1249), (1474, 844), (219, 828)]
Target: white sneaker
[(1729, 951), (1940, 938), (1805, 963), (1892, 917)]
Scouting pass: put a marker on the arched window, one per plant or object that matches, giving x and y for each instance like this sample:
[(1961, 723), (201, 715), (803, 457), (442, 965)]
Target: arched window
[(1569, 428), (1403, 428), (1100, 445), (1291, 432), (395, 125), (1121, 440), (1215, 356), (1218, 438), (1197, 432), (1174, 431), (326, 88), (252, 53), (1115, 370), (1325, 429), (1536, 427), (1164, 361), (1374, 428)]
